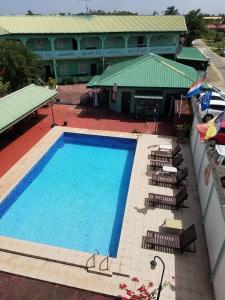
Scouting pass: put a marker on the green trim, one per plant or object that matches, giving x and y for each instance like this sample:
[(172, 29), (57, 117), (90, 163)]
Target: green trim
[(219, 257)]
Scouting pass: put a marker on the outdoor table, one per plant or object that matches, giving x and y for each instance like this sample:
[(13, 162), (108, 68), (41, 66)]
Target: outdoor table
[(169, 169), (167, 147), (173, 226)]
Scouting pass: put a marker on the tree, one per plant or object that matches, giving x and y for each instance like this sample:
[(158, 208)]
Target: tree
[(195, 25), (18, 65), (4, 87), (29, 13), (171, 10)]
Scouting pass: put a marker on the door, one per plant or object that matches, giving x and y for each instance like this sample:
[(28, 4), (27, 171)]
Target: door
[(125, 102), (47, 72), (93, 69)]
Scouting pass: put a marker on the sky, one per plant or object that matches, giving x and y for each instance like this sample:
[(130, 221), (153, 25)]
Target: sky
[(143, 7)]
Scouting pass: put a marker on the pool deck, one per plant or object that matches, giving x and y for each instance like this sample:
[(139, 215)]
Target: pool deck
[(67, 267)]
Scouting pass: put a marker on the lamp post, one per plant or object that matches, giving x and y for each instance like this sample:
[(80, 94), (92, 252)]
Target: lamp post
[(53, 118), (153, 264)]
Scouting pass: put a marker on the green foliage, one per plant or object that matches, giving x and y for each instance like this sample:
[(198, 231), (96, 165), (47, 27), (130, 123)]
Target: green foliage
[(51, 83), (183, 131), (115, 12), (218, 37), (18, 65), (171, 11), (195, 25), (4, 87)]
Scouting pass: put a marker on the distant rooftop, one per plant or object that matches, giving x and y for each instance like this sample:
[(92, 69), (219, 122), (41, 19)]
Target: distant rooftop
[(191, 53), (90, 24), (212, 18)]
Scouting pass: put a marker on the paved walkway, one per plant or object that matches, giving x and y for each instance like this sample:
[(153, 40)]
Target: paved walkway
[(14, 145), (216, 71), (191, 270)]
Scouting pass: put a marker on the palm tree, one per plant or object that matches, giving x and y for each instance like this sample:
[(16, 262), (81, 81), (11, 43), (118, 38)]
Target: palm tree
[(18, 65), (171, 10)]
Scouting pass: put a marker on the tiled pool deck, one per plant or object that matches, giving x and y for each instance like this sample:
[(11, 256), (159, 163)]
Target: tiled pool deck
[(66, 267)]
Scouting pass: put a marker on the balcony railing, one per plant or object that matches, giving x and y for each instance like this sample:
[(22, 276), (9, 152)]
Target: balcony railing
[(67, 54)]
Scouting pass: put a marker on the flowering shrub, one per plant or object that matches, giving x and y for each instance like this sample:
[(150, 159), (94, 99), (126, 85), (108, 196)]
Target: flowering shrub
[(142, 291)]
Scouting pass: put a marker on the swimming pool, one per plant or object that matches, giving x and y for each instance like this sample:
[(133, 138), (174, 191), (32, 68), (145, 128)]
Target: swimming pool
[(75, 196)]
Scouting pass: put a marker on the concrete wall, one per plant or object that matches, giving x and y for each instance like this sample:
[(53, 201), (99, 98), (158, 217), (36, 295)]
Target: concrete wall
[(211, 199)]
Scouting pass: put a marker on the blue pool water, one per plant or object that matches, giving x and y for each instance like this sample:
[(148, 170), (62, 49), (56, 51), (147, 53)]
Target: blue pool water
[(75, 196)]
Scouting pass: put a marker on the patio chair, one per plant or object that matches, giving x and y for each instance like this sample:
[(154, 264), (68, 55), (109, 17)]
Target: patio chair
[(169, 180), (165, 155), (184, 241), (163, 200), (156, 164)]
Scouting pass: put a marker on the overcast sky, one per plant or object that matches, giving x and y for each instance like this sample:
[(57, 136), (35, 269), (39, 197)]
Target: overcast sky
[(146, 7)]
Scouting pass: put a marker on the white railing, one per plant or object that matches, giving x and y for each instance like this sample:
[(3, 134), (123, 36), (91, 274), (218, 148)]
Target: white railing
[(104, 52)]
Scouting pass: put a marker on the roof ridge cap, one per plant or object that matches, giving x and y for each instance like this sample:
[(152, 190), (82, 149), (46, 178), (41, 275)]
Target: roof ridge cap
[(141, 58)]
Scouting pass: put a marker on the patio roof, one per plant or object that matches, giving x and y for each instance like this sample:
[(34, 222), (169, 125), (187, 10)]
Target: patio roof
[(16, 106), (150, 70), (191, 53)]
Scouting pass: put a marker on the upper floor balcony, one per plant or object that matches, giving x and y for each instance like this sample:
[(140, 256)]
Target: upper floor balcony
[(97, 53), (70, 47)]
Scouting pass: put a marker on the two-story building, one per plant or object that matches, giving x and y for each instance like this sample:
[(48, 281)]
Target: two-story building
[(75, 48)]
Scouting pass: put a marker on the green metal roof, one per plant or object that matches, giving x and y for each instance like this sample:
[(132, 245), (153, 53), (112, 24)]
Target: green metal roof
[(94, 80), (14, 107), (191, 53), (150, 70), (91, 24)]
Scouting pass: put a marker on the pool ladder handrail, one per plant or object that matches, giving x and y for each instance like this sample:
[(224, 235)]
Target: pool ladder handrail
[(107, 263), (93, 256)]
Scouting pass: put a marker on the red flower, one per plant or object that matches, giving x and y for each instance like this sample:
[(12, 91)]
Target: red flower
[(124, 298), (150, 284), (122, 286), (129, 292), (135, 279)]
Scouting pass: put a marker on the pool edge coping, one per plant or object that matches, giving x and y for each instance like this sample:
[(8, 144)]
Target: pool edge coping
[(8, 182)]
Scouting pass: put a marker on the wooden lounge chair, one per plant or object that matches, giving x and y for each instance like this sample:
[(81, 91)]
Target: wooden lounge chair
[(159, 164), (169, 180), (165, 241), (165, 155), (163, 200)]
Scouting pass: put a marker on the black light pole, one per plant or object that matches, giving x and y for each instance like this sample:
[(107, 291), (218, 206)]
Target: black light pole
[(53, 118), (153, 264)]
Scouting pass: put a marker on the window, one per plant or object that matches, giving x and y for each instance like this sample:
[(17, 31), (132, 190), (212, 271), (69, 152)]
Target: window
[(64, 69), (38, 43), (82, 68), (61, 43), (90, 44)]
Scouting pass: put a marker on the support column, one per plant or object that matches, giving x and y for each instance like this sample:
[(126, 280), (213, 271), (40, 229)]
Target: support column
[(24, 40), (52, 40), (78, 43), (103, 52)]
